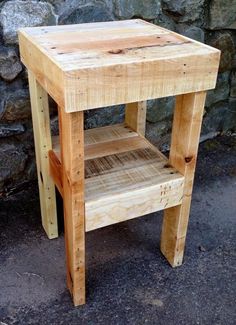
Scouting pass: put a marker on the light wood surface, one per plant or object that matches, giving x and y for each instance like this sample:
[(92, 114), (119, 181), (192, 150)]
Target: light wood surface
[(100, 64), (125, 179), (183, 155), (113, 174), (135, 116), (72, 159), (43, 143)]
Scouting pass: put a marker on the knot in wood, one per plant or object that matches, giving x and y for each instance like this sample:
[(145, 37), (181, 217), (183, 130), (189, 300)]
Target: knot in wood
[(188, 159)]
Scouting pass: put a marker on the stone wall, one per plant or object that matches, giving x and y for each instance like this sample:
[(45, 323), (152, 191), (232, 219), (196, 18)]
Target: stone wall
[(213, 22)]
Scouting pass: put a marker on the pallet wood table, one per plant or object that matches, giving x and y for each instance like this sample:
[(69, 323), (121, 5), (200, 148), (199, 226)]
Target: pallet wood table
[(111, 174)]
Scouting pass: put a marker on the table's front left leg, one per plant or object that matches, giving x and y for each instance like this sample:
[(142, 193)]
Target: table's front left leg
[(43, 143), (72, 157)]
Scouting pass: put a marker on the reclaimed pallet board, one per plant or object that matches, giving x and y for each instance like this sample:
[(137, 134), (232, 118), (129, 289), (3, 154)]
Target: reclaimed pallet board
[(125, 176), (100, 64)]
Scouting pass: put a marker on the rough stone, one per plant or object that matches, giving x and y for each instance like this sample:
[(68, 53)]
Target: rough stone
[(214, 119), (184, 11), (222, 14), (7, 130), (160, 109), (234, 61), (12, 162), (10, 65), (233, 84), (87, 13), (104, 116), (193, 32), (135, 8), (229, 123), (16, 106), (17, 13), (54, 125), (224, 42), (165, 21), (221, 91), (159, 134)]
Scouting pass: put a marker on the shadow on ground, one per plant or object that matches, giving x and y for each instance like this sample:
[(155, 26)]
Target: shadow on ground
[(128, 280)]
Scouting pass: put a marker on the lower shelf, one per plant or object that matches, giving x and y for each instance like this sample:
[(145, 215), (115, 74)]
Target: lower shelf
[(125, 176)]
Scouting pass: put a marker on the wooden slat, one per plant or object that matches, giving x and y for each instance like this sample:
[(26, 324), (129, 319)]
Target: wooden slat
[(55, 170), (113, 162), (42, 141), (106, 140), (72, 155), (100, 135), (125, 181), (183, 154), (112, 147), (108, 133), (102, 64), (141, 190), (135, 116)]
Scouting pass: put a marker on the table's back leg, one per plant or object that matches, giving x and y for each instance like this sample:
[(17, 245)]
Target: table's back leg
[(43, 143), (135, 116), (183, 155), (72, 157)]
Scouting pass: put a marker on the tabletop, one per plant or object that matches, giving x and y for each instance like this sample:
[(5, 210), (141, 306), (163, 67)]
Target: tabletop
[(93, 65)]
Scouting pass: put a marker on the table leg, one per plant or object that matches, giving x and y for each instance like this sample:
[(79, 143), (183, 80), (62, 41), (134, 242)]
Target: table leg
[(43, 143), (135, 116), (72, 157), (183, 155)]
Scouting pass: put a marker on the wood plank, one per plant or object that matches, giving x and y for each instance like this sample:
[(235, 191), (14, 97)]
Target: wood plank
[(102, 64), (183, 154), (101, 134), (125, 181), (128, 180), (108, 133), (102, 165), (138, 80), (72, 155), (134, 202), (42, 141), (106, 141), (97, 30), (135, 116), (112, 147), (55, 170)]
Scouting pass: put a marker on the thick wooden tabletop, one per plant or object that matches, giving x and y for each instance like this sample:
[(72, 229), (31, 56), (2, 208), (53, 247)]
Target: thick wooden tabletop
[(100, 64)]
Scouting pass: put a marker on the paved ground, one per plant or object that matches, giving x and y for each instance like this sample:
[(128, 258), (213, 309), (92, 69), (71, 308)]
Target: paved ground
[(128, 280)]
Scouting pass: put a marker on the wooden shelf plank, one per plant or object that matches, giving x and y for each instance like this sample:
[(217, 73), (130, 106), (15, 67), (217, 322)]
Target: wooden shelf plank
[(125, 176)]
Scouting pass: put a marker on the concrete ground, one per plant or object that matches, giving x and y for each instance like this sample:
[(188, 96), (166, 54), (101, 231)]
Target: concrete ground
[(128, 280)]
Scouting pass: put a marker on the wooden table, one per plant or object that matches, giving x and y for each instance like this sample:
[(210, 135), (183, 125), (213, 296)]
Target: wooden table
[(112, 174)]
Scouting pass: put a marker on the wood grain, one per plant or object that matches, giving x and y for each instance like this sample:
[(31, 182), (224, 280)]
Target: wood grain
[(135, 116), (124, 180), (72, 159), (88, 66), (183, 155), (43, 143)]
